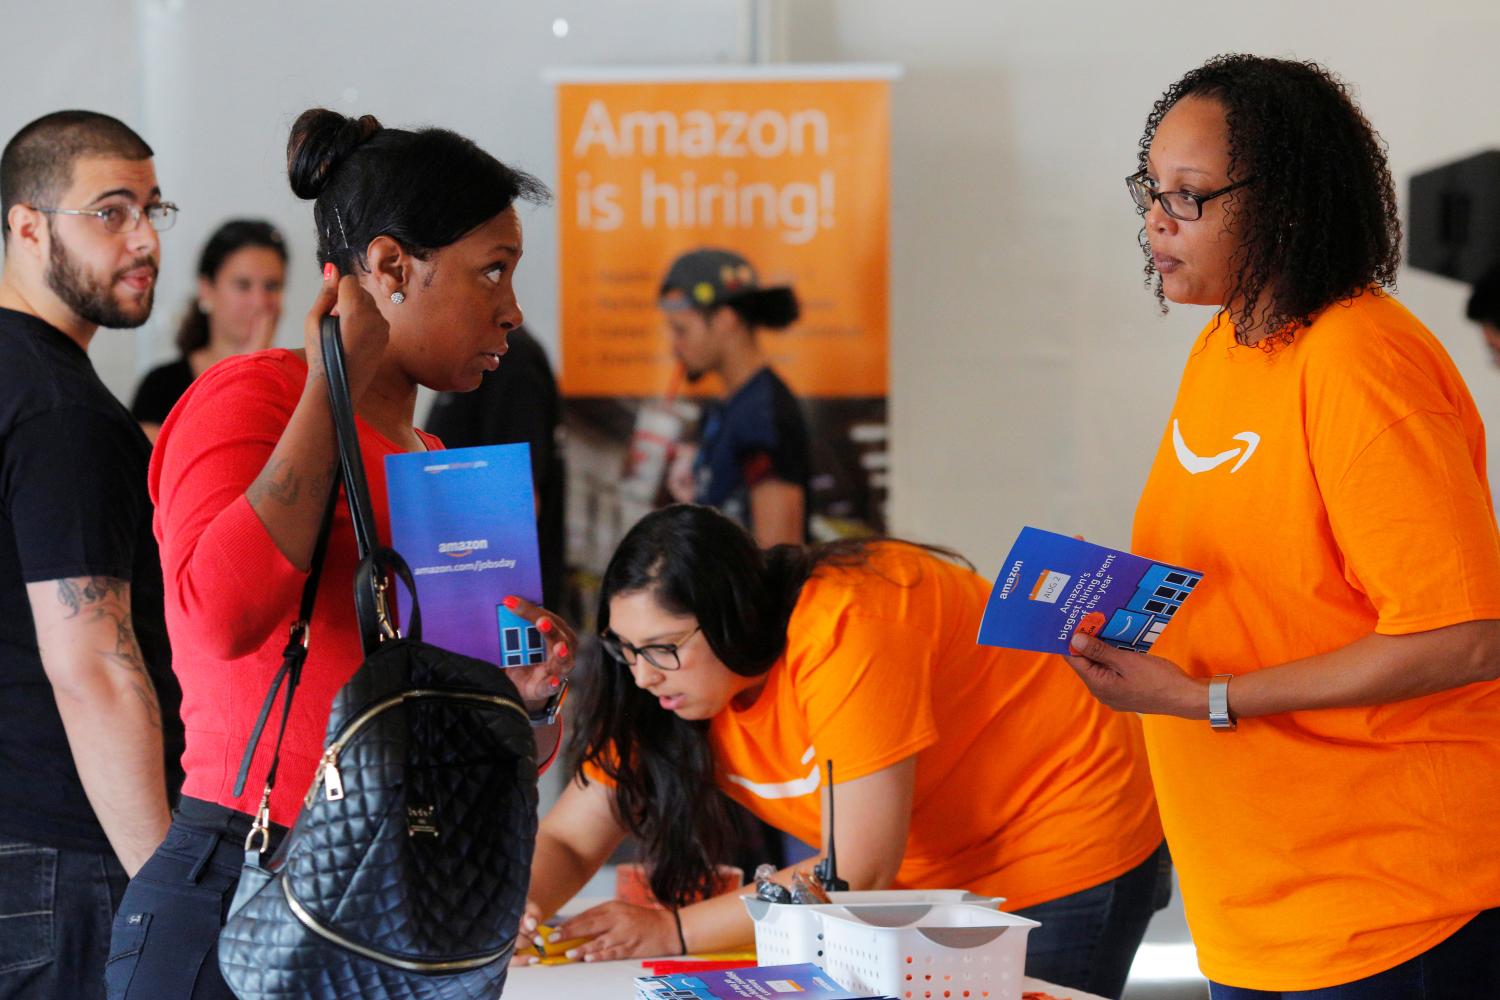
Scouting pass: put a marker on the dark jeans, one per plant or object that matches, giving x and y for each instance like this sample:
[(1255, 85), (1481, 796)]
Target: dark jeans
[(55, 908), (1088, 940), (1464, 967), (166, 934)]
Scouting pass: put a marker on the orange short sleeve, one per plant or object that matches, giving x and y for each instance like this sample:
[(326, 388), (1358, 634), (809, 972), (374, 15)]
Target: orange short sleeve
[(1413, 490), (867, 695)]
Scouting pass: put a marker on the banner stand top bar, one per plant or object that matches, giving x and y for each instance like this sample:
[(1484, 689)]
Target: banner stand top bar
[(685, 74)]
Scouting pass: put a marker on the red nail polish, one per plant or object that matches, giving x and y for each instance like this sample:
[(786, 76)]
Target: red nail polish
[(512, 603), (544, 625), (555, 683), (562, 650), (328, 271)]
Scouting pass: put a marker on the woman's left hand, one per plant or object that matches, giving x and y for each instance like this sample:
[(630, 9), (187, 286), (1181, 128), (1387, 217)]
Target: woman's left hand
[(620, 930), (1137, 682), (539, 683)]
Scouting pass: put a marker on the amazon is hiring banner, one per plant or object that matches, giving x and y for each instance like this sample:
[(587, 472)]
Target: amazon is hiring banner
[(788, 167)]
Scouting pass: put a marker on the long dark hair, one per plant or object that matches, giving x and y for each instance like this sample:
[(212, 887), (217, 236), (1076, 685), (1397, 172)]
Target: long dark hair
[(230, 238), (696, 562), (424, 189), (1318, 222)]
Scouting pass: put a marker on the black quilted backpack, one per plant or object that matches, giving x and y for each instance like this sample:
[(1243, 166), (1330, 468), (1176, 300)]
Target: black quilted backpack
[(405, 875)]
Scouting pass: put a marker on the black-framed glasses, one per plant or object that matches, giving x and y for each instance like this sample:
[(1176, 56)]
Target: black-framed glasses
[(125, 218), (1184, 206), (661, 655)]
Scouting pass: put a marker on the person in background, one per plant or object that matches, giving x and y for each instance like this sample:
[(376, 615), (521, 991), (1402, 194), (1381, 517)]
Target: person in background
[(518, 402), (752, 459), (89, 731), (241, 273), (1323, 716), (421, 279), (1484, 309), (958, 766)]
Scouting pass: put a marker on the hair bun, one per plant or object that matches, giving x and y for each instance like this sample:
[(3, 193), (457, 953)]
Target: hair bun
[(320, 141)]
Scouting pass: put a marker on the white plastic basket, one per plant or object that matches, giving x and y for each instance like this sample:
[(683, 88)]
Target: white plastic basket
[(953, 951), (790, 934)]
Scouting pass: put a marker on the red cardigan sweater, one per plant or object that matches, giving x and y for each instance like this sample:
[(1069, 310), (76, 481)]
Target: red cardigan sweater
[(232, 595)]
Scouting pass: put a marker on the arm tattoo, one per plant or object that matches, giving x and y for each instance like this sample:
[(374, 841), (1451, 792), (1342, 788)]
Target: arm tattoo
[(279, 482), (77, 592), (104, 602)]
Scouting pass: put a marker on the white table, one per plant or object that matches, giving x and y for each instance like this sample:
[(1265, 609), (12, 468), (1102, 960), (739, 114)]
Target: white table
[(616, 981)]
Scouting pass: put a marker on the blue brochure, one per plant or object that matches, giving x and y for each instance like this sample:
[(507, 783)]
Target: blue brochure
[(806, 982), (465, 521), (1054, 585)]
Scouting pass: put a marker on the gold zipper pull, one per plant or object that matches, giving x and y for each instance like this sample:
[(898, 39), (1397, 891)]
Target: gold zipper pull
[(333, 782)]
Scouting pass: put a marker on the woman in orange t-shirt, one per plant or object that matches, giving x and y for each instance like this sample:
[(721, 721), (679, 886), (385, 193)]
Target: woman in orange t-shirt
[(958, 766), (1323, 718)]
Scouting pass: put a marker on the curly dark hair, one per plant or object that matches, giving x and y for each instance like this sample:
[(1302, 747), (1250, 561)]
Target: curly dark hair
[(1318, 225)]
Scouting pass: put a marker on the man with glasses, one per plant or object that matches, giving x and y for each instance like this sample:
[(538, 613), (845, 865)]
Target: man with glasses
[(89, 730)]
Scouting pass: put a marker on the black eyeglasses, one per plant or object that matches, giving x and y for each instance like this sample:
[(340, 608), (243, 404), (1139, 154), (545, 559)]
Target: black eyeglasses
[(125, 218), (661, 655), (1184, 206)]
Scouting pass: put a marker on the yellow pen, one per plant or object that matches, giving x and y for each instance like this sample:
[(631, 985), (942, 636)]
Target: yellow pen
[(549, 951)]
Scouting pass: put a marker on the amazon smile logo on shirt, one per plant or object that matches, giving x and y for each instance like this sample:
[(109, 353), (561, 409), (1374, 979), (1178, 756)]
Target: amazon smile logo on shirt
[(1196, 463)]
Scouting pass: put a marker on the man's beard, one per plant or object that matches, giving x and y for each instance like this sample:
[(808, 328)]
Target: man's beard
[(91, 299)]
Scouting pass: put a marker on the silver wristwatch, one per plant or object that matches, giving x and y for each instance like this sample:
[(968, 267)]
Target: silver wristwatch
[(1219, 716)]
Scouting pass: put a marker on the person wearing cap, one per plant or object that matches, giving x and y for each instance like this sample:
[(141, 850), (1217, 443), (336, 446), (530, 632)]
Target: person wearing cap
[(753, 457)]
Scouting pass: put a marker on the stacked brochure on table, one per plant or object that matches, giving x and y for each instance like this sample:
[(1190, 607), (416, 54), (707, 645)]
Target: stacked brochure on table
[(465, 521), (1054, 585), (805, 982)]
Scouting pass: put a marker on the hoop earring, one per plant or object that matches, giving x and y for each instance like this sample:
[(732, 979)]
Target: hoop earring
[(397, 298)]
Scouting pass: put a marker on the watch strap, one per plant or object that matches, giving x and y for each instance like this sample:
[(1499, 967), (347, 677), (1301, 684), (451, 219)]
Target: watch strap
[(1219, 716), (547, 714)]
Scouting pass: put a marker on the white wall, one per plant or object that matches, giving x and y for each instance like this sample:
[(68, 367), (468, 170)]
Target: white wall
[(214, 88), (1031, 373)]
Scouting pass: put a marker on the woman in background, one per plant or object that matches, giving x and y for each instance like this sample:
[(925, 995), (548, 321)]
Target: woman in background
[(241, 274)]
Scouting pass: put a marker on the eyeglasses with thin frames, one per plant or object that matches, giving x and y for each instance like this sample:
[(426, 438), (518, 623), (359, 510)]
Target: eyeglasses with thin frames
[(1184, 206), (661, 655), (125, 218)]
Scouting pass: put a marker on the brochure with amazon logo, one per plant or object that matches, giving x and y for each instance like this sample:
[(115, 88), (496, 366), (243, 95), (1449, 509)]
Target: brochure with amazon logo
[(804, 982), (1054, 585), (465, 521)]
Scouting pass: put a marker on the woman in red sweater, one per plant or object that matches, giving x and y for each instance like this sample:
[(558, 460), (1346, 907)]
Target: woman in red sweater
[(423, 230)]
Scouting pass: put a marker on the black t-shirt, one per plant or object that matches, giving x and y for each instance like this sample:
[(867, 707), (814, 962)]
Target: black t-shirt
[(755, 435), (518, 402), (160, 390), (73, 503)]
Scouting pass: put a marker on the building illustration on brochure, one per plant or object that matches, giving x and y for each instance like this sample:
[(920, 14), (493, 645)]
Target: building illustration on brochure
[(1054, 585), (465, 521)]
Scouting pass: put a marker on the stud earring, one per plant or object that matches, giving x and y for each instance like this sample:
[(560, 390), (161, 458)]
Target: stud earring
[(397, 298)]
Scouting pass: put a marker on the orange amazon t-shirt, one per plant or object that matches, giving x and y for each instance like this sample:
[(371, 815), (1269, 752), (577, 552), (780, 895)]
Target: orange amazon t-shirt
[(1328, 489), (1025, 786)]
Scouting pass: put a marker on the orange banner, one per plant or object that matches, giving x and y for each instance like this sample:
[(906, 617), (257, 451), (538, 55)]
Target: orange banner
[(793, 175)]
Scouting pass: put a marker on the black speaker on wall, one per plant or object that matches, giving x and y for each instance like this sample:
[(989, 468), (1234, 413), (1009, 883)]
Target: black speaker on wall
[(1453, 227)]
